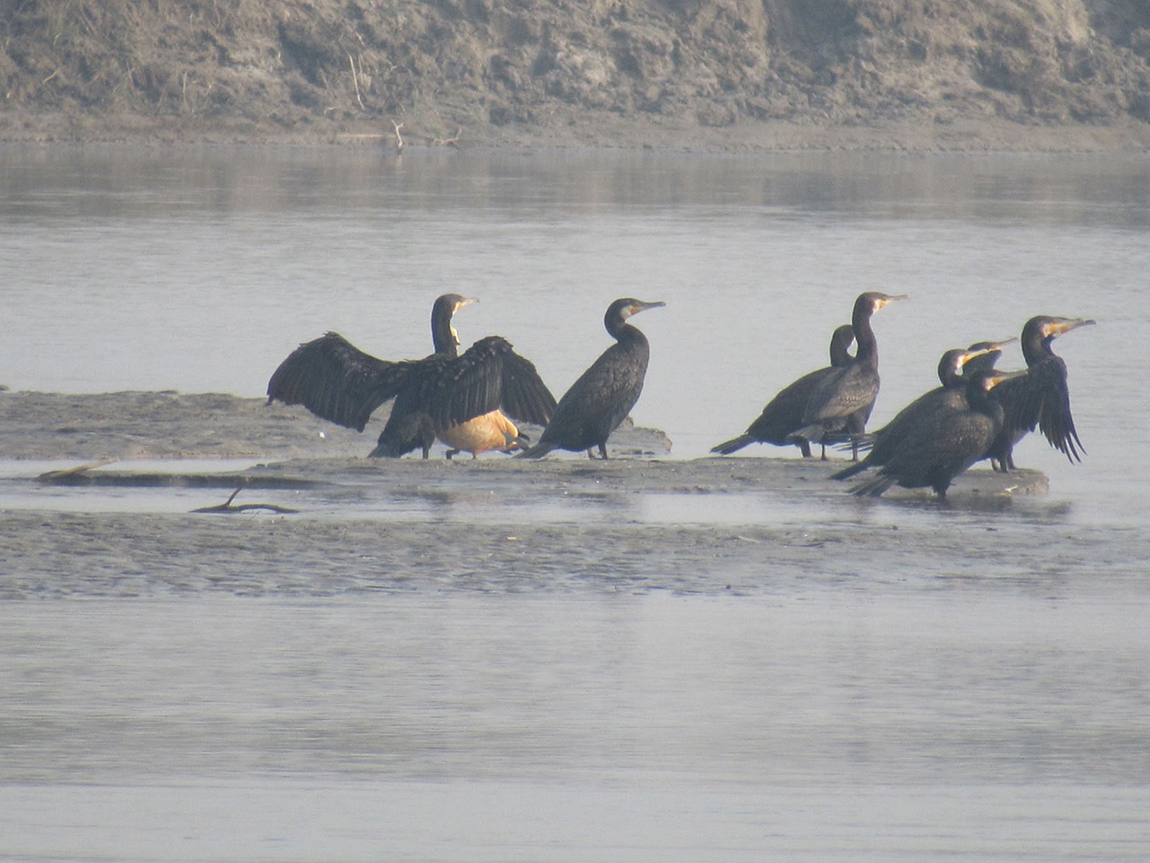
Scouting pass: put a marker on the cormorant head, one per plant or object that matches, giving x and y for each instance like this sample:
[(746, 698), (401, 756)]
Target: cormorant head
[(872, 301), (1048, 328), (443, 310), (624, 308), (841, 340), (449, 304), (983, 355), (952, 362)]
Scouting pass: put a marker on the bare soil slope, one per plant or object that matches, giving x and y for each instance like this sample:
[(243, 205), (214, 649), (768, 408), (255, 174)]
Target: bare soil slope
[(725, 72)]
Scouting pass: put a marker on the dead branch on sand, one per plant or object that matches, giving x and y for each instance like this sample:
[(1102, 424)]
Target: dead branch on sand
[(228, 506)]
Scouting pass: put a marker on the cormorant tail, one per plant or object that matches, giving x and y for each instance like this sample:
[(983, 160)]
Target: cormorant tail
[(812, 433), (385, 449), (537, 451), (848, 472), (874, 487), (728, 447)]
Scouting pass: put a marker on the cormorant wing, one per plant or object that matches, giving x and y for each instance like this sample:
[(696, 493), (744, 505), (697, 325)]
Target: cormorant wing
[(841, 393), (946, 442), (525, 396), (337, 381), (1054, 417), (487, 376), (1021, 400), (600, 398)]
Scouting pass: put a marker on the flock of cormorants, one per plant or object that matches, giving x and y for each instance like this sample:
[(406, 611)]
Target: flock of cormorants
[(471, 400)]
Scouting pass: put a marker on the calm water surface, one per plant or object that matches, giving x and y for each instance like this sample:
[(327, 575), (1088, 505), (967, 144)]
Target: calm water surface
[(888, 716), (201, 271)]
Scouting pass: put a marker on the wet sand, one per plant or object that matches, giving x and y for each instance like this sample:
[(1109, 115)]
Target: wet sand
[(501, 640), (492, 524)]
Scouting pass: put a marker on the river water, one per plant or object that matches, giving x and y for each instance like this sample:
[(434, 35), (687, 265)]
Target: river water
[(898, 707)]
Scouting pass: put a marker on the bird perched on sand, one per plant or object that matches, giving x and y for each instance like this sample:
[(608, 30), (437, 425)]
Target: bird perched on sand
[(784, 413), (949, 396), (603, 395), (461, 398), (1040, 398), (944, 443), (846, 397)]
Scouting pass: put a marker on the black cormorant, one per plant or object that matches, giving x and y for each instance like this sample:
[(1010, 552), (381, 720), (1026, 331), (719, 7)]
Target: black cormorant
[(604, 394), (783, 414), (433, 396), (845, 397), (1041, 398), (985, 362), (950, 395), (945, 443)]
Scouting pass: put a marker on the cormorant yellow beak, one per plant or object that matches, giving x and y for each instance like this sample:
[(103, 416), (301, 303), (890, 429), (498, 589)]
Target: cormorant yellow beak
[(967, 356), (887, 299), (1065, 325), (466, 301), (640, 306), (990, 348)]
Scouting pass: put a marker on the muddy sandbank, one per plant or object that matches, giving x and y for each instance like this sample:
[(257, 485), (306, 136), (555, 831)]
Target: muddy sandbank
[(298, 450), (630, 524)]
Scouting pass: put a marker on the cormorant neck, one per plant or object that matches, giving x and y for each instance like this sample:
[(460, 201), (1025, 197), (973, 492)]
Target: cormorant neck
[(950, 377), (840, 346), (1035, 346), (622, 331), (982, 401), (867, 350), (442, 335)]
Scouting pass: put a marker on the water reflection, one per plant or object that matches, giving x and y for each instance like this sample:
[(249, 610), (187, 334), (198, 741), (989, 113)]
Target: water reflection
[(42, 183)]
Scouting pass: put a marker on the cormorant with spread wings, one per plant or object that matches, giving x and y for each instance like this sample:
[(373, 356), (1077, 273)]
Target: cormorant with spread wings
[(1040, 398), (460, 398)]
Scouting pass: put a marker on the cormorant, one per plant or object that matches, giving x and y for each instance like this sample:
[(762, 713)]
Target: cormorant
[(1039, 399), (951, 395), (845, 397), (944, 443), (783, 414), (604, 394), (435, 396), (985, 362)]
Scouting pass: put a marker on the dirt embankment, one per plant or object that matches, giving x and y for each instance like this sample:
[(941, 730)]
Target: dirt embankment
[(1064, 74)]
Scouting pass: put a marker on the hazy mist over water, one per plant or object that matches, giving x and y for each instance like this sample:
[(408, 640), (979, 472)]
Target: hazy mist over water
[(975, 703)]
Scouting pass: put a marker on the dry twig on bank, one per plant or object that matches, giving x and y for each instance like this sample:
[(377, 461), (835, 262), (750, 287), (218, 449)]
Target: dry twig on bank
[(228, 506)]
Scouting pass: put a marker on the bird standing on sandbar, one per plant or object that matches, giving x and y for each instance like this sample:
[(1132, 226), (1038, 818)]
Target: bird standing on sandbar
[(1039, 399), (784, 413), (945, 443), (458, 397), (846, 397), (950, 396), (603, 395)]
